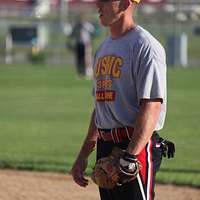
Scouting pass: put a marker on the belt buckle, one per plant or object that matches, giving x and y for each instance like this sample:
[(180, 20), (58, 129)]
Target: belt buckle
[(112, 136), (101, 135), (116, 134), (127, 133)]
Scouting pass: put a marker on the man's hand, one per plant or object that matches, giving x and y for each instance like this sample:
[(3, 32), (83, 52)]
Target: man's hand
[(129, 167), (116, 169), (78, 170)]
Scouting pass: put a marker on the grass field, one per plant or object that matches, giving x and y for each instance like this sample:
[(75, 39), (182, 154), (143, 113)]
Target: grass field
[(45, 110)]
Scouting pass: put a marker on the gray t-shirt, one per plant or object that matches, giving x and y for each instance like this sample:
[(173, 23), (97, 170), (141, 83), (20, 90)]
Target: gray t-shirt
[(126, 70)]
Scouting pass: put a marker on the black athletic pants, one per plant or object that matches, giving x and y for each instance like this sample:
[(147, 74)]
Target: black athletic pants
[(150, 157), (80, 58)]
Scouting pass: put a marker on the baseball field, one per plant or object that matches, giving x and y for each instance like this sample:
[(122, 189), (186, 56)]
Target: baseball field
[(45, 110)]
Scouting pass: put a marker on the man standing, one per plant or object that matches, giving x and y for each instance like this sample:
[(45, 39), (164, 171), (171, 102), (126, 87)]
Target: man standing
[(130, 101), (82, 35)]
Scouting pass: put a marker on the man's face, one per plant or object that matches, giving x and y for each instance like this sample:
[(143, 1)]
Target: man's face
[(109, 11)]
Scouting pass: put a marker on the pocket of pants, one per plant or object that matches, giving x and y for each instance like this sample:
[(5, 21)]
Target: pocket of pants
[(157, 152)]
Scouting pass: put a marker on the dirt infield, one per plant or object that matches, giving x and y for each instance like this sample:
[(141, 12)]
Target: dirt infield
[(23, 185)]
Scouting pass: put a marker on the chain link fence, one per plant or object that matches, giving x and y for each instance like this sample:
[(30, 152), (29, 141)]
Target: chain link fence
[(176, 24)]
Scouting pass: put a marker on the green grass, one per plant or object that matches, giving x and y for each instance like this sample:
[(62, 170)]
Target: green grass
[(183, 127), (44, 116), (45, 111)]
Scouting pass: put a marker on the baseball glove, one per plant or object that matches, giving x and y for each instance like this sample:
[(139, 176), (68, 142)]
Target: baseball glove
[(116, 169), (167, 148)]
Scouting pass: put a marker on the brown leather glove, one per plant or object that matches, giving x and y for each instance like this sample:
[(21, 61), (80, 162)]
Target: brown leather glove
[(116, 169)]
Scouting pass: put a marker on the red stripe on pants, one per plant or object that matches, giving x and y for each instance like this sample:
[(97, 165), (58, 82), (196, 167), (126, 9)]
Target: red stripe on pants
[(150, 175), (145, 157), (142, 158)]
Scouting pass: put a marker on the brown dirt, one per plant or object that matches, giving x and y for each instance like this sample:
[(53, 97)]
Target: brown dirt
[(23, 185)]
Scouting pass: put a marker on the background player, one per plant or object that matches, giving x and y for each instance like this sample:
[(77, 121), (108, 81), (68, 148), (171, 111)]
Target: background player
[(82, 32)]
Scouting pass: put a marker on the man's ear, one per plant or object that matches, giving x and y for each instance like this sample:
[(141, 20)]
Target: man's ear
[(124, 4)]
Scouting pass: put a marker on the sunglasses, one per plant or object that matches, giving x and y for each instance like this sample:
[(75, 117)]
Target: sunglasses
[(104, 1)]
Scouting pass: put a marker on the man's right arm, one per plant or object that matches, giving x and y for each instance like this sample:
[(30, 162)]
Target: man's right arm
[(88, 146)]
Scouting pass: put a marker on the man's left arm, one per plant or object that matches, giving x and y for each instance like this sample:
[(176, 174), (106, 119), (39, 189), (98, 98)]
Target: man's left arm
[(145, 124)]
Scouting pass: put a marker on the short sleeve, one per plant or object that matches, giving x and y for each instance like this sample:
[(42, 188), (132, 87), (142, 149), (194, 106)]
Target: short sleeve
[(151, 74)]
